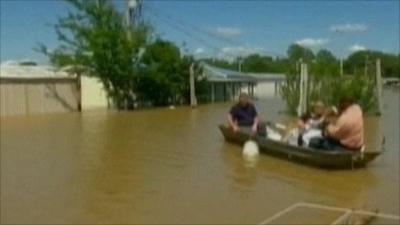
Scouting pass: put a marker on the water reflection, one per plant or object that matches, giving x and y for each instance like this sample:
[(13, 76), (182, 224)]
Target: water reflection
[(238, 169)]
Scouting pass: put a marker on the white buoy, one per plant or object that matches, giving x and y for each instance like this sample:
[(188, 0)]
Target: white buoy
[(250, 150)]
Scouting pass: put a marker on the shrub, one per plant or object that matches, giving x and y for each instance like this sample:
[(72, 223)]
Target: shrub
[(330, 89)]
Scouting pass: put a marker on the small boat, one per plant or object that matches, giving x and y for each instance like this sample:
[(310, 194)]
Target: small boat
[(339, 159)]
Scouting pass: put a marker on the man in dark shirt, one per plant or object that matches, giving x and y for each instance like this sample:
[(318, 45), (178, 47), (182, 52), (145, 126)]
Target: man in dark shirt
[(243, 114)]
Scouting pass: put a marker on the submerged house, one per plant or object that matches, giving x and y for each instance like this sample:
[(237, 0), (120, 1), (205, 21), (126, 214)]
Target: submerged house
[(27, 88), (225, 85)]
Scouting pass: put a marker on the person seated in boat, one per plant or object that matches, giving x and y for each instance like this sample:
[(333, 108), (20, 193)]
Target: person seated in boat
[(347, 131), (310, 124), (244, 115), (315, 118)]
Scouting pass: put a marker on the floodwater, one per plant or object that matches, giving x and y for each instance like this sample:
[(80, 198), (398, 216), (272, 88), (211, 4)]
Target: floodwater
[(166, 166)]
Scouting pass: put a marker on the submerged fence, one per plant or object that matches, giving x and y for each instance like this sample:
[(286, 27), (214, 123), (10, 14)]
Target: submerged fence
[(300, 92)]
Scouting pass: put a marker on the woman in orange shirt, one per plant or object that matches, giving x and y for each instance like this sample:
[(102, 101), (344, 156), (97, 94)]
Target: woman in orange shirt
[(347, 132)]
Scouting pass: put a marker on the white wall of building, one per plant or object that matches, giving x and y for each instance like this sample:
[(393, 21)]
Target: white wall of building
[(93, 93), (263, 90)]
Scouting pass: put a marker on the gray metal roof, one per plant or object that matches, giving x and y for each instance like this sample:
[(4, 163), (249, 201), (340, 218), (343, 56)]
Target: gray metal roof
[(215, 74), (260, 77), (391, 79)]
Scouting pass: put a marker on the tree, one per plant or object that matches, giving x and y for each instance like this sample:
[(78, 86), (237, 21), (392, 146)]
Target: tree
[(325, 64), (326, 57), (162, 77), (257, 63), (95, 41), (296, 52), (356, 62)]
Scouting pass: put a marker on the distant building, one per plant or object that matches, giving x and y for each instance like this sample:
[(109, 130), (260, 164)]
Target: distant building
[(225, 85)]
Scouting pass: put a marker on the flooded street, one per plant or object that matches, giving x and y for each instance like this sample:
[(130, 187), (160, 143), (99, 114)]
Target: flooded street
[(173, 166)]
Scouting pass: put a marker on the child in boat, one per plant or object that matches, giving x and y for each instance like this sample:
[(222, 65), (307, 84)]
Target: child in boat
[(312, 125)]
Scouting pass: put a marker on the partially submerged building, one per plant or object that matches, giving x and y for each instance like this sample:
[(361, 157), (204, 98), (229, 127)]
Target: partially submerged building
[(27, 88), (93, 95), (225, 85)]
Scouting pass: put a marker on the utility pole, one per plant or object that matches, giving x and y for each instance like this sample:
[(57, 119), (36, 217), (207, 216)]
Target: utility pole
[(133, 12), (240, 62)]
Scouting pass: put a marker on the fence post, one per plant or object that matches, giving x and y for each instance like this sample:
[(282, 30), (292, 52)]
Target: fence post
[(212, 92), (302, 108), (379, 85), (79, 87), (305, 92), (299, 110), (193, 100)]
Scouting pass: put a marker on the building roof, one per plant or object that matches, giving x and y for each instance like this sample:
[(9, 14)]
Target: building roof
[(215, 74), (25, 70)]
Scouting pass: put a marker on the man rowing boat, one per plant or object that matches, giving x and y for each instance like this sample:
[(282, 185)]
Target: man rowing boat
[(243, 115)]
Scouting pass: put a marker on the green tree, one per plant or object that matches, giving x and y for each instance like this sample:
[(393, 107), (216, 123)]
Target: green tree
[(357, 61), (296, 52), (258, 63), (159, 84), (164, 75), (325, 64), (326, 57), (95, 41)]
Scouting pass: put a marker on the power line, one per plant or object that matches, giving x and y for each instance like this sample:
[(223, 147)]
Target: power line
[(195, 28), (175, 26)]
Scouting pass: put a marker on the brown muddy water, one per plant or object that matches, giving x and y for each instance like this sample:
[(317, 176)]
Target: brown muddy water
[(166, 166)]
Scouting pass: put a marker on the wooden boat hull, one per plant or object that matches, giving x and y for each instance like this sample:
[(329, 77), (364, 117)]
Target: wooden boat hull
[(327, 159)]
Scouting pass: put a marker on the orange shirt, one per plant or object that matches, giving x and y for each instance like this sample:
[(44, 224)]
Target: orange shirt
[(349, 128)]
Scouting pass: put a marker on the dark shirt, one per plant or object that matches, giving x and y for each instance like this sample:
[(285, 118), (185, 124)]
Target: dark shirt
[(243, 115)]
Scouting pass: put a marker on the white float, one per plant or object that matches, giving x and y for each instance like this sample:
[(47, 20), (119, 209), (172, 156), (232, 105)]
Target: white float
[(250, 150)]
